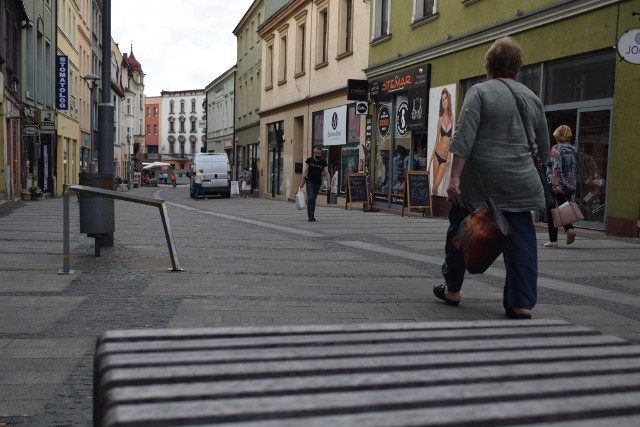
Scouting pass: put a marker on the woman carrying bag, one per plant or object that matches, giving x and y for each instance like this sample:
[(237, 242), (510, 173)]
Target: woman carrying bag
[(492, 158), (561, 175)]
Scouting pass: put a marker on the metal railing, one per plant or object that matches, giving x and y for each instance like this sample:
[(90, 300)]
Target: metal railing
[(159, 203)]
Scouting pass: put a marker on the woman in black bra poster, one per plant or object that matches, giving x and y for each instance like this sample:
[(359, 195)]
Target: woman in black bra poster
[(441, 136)]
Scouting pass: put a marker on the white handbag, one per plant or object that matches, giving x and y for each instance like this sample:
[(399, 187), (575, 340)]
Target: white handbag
[(301, 200)]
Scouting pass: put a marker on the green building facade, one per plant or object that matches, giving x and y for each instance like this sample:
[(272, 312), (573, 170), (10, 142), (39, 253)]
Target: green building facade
[(572, 59)]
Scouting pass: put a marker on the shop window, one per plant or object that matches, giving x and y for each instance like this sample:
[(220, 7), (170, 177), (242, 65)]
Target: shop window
[(318, 128), (582, 79), (350, 153)]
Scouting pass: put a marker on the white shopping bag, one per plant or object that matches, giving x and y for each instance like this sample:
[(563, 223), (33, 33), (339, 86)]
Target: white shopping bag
[(301, 201)]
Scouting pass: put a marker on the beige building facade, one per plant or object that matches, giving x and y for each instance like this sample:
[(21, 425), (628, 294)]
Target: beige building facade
[(67, 113), (310, 49)]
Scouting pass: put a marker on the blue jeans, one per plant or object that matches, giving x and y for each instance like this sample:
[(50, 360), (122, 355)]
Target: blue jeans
[(312, 195), (199, 190), (520, 259)]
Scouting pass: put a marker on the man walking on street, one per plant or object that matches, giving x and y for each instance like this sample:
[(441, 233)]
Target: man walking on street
[(198, 182), (314, 168)]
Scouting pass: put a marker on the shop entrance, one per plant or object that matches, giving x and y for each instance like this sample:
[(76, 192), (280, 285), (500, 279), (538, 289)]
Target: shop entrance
[(593, 138), (592, 127)]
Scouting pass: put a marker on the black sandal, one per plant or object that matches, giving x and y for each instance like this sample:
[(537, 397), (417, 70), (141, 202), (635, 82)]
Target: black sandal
[(438, 291)]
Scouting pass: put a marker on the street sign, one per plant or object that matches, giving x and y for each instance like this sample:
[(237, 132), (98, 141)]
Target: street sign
[(30, 130)]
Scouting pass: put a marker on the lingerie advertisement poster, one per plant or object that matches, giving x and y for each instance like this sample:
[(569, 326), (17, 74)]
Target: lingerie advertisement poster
[(440, 130)]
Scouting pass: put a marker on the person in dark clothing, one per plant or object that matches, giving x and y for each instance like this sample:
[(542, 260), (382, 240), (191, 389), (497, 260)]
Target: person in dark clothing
[(314, 168)]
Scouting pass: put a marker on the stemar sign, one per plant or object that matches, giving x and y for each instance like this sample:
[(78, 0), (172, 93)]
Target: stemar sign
[(414, 83)]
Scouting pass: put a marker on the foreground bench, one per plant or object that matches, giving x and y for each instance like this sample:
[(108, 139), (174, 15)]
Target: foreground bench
[(480, 373)]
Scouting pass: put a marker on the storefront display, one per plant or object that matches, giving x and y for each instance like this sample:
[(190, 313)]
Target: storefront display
[(399, 131)]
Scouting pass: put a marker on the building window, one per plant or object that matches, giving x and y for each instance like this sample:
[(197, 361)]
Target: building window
[(148, 129), (193, 106), (182, 125), (346, 26), (182, 106), (268, 82), (171, 107), (155, 111), (172, 128), (282, 61), (323, 29), (129, 106), (424, 9), (148, 112), (245, 97), (300, 51), (381, 19), (193, 125), (155, 129)]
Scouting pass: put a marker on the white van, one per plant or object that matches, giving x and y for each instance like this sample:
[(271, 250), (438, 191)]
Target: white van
[(217, 174)]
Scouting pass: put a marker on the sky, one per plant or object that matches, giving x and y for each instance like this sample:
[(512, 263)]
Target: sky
[(180, 45)]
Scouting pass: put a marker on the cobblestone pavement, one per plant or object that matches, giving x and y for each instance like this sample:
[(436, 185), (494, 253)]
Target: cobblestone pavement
[(252, 262)]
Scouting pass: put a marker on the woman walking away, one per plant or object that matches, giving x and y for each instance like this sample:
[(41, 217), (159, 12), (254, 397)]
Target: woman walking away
[(492, 159), (561, 175)]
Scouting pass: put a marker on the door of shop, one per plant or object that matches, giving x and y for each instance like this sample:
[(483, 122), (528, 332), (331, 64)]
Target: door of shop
[(593, 138)]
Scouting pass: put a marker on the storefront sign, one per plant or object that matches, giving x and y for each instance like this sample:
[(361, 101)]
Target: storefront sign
[(629, 46), (415, 84), (46, 120), (335, 126), (357, 90), (384, 120), (228, 144), (362, 107), (401, 118), (29, 130), (62, 79)]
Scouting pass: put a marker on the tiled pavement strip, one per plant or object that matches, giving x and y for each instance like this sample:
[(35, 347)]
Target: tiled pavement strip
[(252, 262)]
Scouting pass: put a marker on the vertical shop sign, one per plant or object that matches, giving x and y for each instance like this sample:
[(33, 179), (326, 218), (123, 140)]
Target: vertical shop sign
[(62, 82), (384, 120), (335, 129), (402, 118)]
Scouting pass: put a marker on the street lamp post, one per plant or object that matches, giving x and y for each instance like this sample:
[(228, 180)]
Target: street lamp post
[(92, 82)]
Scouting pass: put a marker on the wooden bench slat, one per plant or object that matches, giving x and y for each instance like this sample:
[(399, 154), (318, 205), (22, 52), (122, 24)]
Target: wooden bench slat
[(395, 379), (384, 409), (266, 331), (182, 357), (221, 371)]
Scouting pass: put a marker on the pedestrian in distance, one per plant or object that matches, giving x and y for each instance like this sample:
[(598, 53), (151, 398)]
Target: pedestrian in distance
[(315, 167), (492, 159), (245, 183), (174, 179), (197, 180), (561, 176)]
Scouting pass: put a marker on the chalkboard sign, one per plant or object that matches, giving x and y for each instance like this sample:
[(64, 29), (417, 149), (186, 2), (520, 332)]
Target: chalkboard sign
[(356, 188), (416, 192)]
